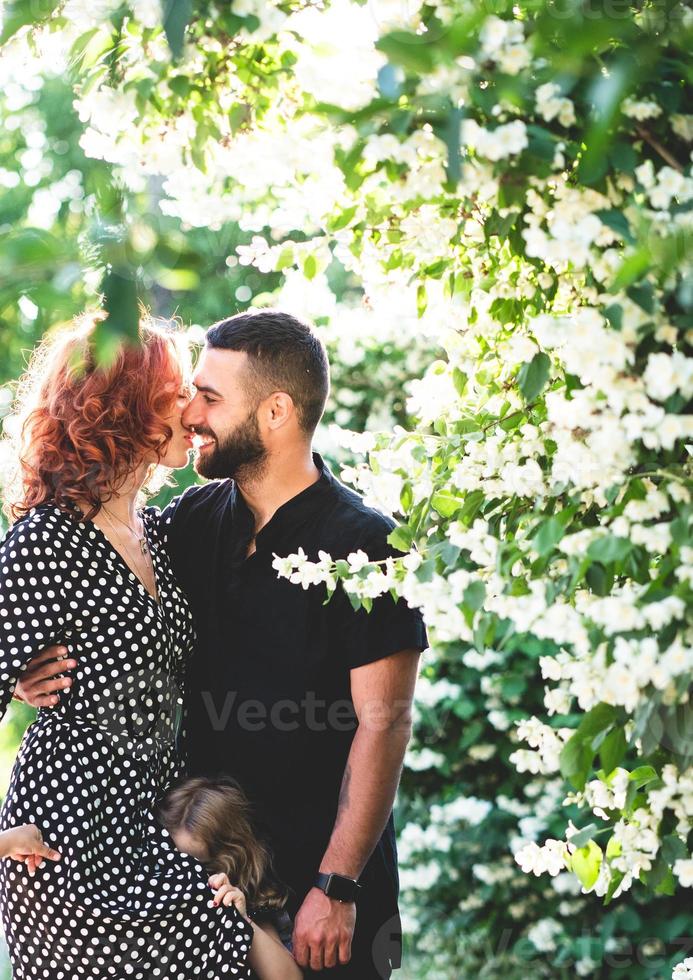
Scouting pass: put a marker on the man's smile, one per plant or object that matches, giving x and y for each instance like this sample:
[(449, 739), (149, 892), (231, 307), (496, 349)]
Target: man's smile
[(203, 442)]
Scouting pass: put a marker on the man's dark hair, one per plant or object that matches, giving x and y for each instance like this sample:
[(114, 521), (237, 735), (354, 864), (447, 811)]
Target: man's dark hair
[(284, 355)]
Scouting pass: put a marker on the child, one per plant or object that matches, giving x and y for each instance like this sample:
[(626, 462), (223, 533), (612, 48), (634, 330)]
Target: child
[(25, 843), (210, 820)]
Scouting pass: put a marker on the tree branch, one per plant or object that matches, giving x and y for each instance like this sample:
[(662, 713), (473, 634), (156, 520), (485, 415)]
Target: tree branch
[(658, 148)]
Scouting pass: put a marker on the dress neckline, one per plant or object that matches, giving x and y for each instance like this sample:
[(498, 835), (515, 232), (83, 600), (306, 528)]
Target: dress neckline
[(106, 541)]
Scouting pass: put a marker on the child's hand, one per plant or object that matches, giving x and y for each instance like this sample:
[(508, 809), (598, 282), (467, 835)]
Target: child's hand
[(25, 843), (227, 894)]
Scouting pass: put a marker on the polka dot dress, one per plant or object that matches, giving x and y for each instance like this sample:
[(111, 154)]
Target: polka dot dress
[(122, 902)]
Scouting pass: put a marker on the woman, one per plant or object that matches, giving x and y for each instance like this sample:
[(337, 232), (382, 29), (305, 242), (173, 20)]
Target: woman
[(83, 566)]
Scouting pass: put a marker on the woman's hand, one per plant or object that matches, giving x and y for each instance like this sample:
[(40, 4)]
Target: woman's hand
[(227, 894), (25, 843)]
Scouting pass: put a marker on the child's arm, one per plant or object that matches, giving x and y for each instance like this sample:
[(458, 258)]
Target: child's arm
[(25, 843), (269, 959)]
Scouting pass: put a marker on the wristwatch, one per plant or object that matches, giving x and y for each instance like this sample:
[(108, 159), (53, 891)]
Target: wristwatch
[(338, 887)]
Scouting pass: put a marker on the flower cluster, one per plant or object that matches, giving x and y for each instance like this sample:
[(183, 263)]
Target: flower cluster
[(514, 223)]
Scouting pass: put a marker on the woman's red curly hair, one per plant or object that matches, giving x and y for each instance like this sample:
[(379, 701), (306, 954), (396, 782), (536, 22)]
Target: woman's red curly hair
[(84, 429)]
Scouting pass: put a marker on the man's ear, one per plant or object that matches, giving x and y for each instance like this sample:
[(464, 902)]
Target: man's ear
[(278, 409)]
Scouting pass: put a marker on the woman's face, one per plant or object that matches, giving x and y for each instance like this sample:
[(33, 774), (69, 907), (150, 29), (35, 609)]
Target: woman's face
[(175, 455)]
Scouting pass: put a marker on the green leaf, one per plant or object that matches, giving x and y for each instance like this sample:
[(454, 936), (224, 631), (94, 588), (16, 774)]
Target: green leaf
[(19, 13), (177, 279), (412, 51), (120, 301), (614, 314), (586, 862), (584, 836), (616, 879), (342, 219), (177, 15), (445, 503), (667, 884), (239, 115), (599, 581), (598, 718), (656, 875), (642, 776), (452, 141), (623, 157), (643, 295), (617, 221), (632, 268), (547, 537), (576, 760), (533, 376), (673, 848), (612, 750), (421, 299), (542, 143), (310, 267), (609, 548), (401, 538), (180, 85), (474, 595)]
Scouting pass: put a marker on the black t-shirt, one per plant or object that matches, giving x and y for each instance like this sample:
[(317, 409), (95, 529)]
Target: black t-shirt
[(268, 690)]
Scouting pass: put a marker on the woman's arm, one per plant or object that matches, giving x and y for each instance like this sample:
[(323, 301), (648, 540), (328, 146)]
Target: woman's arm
[(35, 593)]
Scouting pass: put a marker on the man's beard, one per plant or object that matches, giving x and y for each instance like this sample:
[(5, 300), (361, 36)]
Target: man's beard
[(241, 456)]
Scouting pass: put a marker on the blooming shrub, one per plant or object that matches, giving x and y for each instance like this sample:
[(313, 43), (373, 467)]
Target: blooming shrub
[(508, 192)]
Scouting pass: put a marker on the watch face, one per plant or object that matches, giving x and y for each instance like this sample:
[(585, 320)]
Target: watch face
[(340, 888)]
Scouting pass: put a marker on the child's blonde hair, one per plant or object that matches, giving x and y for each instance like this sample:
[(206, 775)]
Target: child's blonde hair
[(218, 813)]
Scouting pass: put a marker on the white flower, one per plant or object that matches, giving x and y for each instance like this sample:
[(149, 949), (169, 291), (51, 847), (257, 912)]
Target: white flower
[(259, 254), (496, 144), (543, 934), (644, 109), (550, 857), (283, 566), (147, 12), (668, 373), (683, 970), (357, 560), (683, 126), (468, 809), (423, 759), (551, 106), (683, 869)]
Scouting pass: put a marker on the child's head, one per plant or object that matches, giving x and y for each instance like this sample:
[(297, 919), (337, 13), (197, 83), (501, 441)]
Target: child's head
[(210, 820)]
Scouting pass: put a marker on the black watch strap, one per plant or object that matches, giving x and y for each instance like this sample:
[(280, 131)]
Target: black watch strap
[(337, 886)]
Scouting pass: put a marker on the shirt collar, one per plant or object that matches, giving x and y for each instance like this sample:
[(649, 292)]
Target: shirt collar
[(294, 511)]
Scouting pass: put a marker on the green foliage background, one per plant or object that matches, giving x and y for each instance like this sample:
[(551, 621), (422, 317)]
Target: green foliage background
[(183, 272)]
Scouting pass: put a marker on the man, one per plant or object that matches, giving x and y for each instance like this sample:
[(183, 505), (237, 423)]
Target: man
[(307, 704)]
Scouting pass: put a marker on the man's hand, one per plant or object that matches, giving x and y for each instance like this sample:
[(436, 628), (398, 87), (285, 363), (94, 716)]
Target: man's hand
[(40, 682), (323, 931)]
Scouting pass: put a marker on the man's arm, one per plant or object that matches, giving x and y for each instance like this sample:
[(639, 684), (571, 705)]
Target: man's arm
[(42, 681), (382, 693)]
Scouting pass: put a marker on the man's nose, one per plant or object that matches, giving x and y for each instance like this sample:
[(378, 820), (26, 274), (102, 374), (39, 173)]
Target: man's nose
[(191, 415)]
